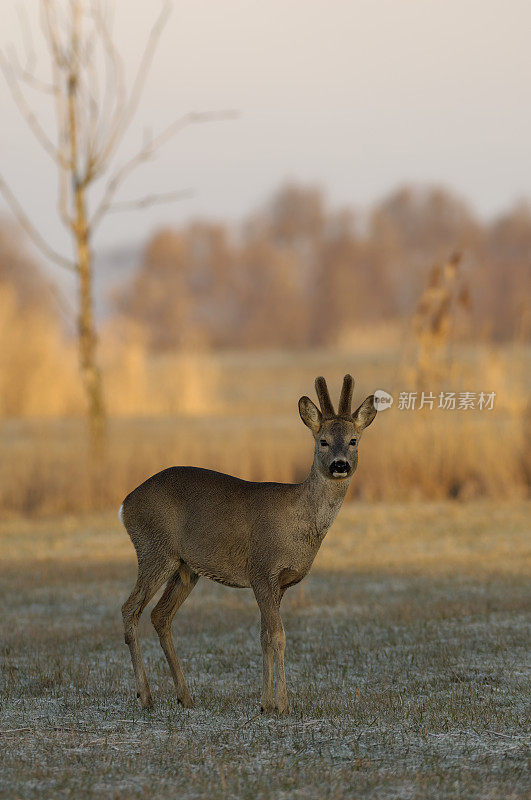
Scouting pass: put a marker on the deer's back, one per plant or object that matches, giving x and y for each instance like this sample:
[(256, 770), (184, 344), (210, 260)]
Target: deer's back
[(206, 518)]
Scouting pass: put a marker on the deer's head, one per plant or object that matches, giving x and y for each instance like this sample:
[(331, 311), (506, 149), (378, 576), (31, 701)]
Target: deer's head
[(336, 435)]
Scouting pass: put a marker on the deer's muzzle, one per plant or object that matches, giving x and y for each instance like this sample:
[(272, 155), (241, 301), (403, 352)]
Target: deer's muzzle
[(339, 469)]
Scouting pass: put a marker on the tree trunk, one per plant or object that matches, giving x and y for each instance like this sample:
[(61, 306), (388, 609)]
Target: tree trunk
[(87, 336)]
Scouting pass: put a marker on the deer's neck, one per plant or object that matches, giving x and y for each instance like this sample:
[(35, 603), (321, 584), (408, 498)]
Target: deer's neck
[(321, 499)]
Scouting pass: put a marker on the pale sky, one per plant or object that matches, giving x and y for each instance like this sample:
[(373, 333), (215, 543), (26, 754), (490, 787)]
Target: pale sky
[(356, 95)]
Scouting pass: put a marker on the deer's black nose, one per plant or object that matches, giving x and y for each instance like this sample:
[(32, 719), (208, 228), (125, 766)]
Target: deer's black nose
[(338, 468)]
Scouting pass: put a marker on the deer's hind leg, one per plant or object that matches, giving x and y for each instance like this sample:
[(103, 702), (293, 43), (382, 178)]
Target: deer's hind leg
[(177, 590), (149, 581)]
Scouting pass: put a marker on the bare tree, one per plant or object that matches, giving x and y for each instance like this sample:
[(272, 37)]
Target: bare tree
[(93, 110)]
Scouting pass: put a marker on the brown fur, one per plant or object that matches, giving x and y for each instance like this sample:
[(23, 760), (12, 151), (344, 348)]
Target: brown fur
[(188, 522)]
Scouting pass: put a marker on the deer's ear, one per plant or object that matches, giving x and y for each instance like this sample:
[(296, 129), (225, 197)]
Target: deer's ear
[(364, 415), (310, 414)]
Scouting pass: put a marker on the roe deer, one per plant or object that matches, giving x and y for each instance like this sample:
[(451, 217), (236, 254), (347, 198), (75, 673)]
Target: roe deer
[(187, 523)]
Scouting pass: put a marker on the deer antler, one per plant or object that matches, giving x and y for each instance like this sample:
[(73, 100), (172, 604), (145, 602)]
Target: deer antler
[(345, 401), (324, 398)]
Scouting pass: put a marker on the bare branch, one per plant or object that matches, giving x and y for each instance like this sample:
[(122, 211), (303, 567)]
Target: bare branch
[(26, 74), (28, 114), (124, 116), (27, 38), (147, 201), (193, 118), (37, 239), (34, 82), (114, 57), (114, 94), (148, 151), (60, 115), (113, 185), (49, 26)]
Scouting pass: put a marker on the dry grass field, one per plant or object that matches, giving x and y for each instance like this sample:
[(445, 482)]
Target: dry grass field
[(241, 417), (406, 660)]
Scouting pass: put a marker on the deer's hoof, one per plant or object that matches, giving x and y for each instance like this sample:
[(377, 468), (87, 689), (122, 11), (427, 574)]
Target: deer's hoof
[(186, 701), (146, 701), (282, 706)]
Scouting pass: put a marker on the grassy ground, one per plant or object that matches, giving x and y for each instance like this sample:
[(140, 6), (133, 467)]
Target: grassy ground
[(406, 662)]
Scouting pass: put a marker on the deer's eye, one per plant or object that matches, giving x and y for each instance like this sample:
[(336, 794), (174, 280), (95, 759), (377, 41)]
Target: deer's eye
[(323, 443), (353, 442)]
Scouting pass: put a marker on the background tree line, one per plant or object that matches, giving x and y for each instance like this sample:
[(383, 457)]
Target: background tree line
[(299, 273)]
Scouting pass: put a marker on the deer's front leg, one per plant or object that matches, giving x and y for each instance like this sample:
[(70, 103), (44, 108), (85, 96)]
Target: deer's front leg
[(267, 702), (273, 640)]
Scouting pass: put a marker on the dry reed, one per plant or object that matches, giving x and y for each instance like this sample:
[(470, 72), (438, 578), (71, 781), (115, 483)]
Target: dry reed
[(236, 412)]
